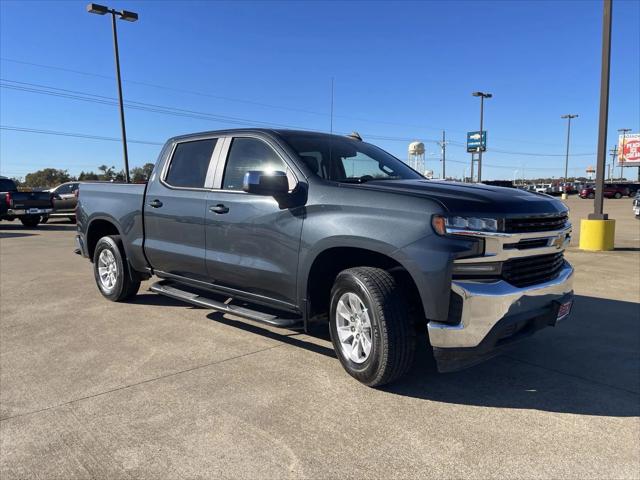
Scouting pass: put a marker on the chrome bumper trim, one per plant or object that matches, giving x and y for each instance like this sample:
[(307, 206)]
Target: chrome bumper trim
[(486, 303), (17, 212)]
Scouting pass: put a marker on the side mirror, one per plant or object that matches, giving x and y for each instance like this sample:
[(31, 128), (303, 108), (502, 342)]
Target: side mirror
[(260, 182)]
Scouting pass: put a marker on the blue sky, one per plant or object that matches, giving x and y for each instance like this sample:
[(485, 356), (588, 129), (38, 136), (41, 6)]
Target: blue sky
[(402, 70)]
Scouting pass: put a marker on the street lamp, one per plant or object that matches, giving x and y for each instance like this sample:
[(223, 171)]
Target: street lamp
[(482, 96), (566, 158), (129, 17), (624, 144)]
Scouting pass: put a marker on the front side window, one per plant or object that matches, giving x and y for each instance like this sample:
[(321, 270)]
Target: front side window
[(249, 154), (189, 164), (347, 160)]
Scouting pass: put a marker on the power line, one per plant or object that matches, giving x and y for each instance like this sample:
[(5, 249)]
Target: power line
[(267, 105), (77, 135), (149, 142)]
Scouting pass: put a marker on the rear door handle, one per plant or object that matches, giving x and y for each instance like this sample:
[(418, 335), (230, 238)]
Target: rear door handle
[(155, 203), (220, 208)]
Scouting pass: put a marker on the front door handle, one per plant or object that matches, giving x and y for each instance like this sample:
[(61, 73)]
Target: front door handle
[(220, 208), (155, 203)]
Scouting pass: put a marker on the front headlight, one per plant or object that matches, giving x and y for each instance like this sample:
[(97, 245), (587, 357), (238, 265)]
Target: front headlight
[(457, 224)]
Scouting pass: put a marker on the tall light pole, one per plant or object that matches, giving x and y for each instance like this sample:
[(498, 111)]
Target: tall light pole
[(601, 159), (129, 17), (482, 96), (624, 145), (566, 158)]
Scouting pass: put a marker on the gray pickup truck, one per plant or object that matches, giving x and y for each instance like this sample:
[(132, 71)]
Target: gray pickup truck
[(288, 227)]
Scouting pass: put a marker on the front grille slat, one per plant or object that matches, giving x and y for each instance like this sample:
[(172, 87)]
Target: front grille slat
[(522, 272), (535, 224)]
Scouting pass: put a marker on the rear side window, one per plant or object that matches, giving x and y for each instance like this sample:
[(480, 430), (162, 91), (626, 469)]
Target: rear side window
[(64, 189), (189, 164), (7, 185), (249, 154)]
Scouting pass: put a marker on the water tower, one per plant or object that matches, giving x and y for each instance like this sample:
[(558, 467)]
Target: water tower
[(416, 156)]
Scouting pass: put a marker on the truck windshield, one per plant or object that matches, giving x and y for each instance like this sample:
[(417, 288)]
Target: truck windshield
[(347, 160)]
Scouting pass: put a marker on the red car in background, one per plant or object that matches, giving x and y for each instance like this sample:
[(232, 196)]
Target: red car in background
[(610, 191)]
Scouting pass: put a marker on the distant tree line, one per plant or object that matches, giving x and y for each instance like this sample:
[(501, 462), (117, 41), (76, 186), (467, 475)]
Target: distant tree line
[(51, 177)]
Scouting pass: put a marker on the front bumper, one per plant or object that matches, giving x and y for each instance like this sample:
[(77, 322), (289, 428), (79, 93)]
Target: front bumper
[(495, 313)]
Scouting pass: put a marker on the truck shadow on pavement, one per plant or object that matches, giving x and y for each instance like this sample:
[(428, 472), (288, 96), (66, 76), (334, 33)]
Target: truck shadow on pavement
[(589, 365), (16, 234)]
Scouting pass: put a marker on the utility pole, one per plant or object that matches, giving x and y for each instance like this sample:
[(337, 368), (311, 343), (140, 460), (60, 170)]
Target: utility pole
[(566, 158), (601, 159), (443, 146), (624, 145), (614, 152)]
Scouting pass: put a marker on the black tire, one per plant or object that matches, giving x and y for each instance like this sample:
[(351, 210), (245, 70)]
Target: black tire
[(592, 195), (72, 218), (392, 332), (617, 195), (44, 219), (31, 221), (124, 286)]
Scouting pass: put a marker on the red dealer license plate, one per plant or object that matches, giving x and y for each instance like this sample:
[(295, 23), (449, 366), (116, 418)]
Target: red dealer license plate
[(564, 310)]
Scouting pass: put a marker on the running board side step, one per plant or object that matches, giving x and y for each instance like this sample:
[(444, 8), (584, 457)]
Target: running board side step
[(170, 290)]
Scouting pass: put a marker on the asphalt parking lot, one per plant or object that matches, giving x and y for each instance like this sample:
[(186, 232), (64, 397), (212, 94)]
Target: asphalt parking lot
[(159, 389)]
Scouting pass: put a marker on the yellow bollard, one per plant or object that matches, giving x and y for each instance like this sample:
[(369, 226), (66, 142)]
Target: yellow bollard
[(597, 235)]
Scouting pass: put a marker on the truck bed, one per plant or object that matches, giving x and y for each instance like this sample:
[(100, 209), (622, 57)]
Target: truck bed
[(121, 203)]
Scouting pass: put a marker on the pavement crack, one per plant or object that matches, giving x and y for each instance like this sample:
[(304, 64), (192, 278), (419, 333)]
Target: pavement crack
[(143, 382)]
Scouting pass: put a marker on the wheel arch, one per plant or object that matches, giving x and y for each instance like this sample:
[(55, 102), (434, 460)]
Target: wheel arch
[(320, 271)]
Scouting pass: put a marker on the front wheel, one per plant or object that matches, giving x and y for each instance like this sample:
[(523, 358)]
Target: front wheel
[(617, 196), (370, 327), (111, 272), (592, 195), (31, 221)]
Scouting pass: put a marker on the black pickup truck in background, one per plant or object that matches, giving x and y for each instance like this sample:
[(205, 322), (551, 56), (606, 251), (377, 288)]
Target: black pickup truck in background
[(29, 207)]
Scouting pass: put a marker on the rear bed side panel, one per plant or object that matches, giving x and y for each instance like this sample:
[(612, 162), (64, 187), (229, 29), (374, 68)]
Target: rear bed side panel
[(121, 205)]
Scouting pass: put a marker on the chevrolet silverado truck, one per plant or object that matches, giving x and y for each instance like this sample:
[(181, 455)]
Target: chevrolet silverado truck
[(28, 207), (289, 227)]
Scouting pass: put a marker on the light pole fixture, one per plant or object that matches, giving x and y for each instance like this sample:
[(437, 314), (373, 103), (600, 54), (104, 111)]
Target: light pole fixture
[(129, 17), (566, 158), (482, 96)]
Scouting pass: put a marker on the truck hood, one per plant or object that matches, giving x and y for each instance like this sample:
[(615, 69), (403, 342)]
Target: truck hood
[(474, 198)]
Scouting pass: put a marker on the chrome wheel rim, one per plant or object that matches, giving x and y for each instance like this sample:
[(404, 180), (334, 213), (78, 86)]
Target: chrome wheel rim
[(107, 269), (354, 328)]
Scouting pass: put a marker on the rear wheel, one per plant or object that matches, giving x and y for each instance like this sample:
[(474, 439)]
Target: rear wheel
[(592, 195), (111, 271), (370, 326), (31, 221), (617, 195)]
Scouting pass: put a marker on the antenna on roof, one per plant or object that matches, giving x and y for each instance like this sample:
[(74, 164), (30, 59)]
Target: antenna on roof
[(355, 136)]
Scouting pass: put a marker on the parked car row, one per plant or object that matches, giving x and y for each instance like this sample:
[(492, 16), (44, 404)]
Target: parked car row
[(636, 204), (611, 190)]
